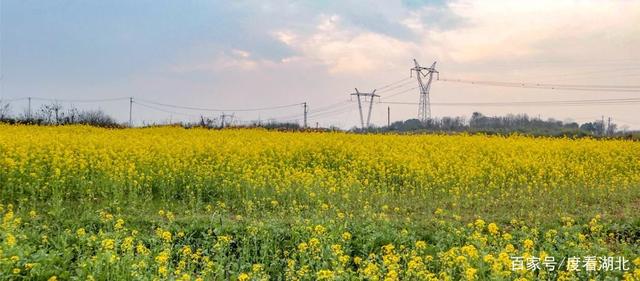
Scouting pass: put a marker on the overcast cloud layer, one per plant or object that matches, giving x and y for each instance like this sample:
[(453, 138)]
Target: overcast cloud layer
[(247, 54)]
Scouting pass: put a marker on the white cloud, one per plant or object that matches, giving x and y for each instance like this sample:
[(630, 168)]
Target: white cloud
[(346, 50), (492, 31), (234, 59), (520, 29)]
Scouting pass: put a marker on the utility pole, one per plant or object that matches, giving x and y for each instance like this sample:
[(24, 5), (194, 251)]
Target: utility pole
[(305, 114), (603, 129), (371, 96), (424, 108), (608, 126), (388, 116), (130, 111), (29, 110)]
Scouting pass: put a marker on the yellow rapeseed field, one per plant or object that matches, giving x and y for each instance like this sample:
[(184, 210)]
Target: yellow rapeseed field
[(85, 203)]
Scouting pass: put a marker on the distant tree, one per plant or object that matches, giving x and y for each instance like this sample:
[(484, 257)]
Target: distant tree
[(95, 118), (611, 129), (5, 110), (589, 126)]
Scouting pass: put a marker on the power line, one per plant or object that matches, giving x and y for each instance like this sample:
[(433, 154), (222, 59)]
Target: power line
[(312, 111), (585, 88), (589, 73), (531, 84), (12, 100), (70, 100), (327, 107), (397, 86), (344, 109), (166, 111), (628, 122), (220, 110), (335, 111), (529, 103), (401, 92), (393, 83), (81, 100)]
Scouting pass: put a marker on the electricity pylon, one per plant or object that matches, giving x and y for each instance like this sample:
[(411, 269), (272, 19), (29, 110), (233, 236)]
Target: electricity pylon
[(223, 118), (424, 108), (371, 96)]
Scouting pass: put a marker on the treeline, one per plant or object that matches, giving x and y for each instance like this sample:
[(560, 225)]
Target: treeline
[(512, 123), (56, 114), (217, 123)]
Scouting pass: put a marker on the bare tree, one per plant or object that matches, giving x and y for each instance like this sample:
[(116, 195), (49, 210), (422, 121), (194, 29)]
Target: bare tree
[(5, 110)]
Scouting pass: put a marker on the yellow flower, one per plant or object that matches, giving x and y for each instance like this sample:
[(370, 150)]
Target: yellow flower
[(461, 260), (346, 236), (163, 257), (314, 242), (509, 248), (344, 259), (81, 232), (470, 251), (336, 249), (324, 274), (127, 244), (319, 229), (257, 268), (243, 277), (141, 249), (470, 273), (421, 245), (506, 237), (108, 244), (303, 247), (493, 228), (163, 271), (119, 224), (10, 240), (528, 244), (371, 271), (166, 236)]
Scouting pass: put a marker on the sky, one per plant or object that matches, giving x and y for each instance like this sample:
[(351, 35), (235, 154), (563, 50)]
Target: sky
[(233, 55)]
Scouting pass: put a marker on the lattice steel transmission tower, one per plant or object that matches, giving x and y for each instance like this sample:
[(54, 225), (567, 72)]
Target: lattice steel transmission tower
[(371, 96), (424, 108), (223, 118)]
